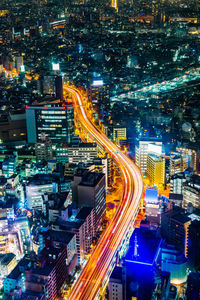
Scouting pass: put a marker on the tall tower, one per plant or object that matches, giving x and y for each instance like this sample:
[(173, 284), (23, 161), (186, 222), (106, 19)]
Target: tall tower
[(114, 3)]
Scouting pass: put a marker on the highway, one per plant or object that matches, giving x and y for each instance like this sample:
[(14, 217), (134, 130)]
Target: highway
[(91, 278)]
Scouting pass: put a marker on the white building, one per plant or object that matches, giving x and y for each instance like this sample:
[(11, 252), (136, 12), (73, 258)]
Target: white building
[(177, 183), (143, 149), (83, 152), (35, 192)]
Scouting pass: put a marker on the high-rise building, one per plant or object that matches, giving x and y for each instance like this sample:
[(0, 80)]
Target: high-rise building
[(19, 62), (82, 152), (54, 119), (115, 285), (190, 155), (193, 286), (37, 186), (119, 134), (59, 87), (9, 165), (62, 153), (142, 150), (156, 169), (174, 262), (174, 228), (43, 149), (177, 183), (99, 94), (191, 194), (114, 4), (82, 224), (7, 263), (139, 267), (194, 245), (88, 189), (178, 163), (48, 85)]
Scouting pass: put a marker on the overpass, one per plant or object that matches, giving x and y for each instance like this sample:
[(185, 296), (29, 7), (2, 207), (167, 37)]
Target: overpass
[(90, 283)]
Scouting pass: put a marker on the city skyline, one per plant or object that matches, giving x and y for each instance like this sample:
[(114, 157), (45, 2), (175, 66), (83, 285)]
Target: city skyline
[(99, 150)]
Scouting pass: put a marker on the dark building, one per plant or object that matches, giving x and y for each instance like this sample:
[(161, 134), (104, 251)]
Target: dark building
[(116, 284), (174, 228), (193, 286), (139, 269), (194, 246), (59, 87), (99, 94)]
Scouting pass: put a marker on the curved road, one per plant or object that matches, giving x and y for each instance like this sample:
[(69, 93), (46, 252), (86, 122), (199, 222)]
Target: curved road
[(90, 280)]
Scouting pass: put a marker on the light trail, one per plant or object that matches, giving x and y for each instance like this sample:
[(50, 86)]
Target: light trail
[(92, 276)]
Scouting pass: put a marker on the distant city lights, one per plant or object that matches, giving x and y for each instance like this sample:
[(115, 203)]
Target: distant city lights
[(22, 68), (98, 83)]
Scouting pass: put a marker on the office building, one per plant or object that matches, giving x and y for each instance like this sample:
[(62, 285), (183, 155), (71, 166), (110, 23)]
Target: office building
[(37, 186), (82, 153), (193, 286), (54, 119), (43, 149), (174, 262), (102, 165), (144, 148), (19, 62), (48, 85), (119, 135), (62, 153), (177, 183), (191, 194), (191, 156), (82, 223), (9, 165), (194, 245), (139, 268), (156, 169), (7, 263), (175, 199), (88, 189), (66, 243), (178, 163), (115, 285), (99, 94), (175, 228), (59, 87), (86, 214), (14, 279), (56, 206)]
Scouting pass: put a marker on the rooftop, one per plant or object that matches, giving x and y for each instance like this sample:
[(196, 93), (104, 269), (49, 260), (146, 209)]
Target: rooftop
[(84, 213), (144, 247), (5, 259), (116, 274), (60, 236), (91, 179)]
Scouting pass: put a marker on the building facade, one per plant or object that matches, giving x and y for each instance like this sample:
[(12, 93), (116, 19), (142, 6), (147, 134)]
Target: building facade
[(54, 119)]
